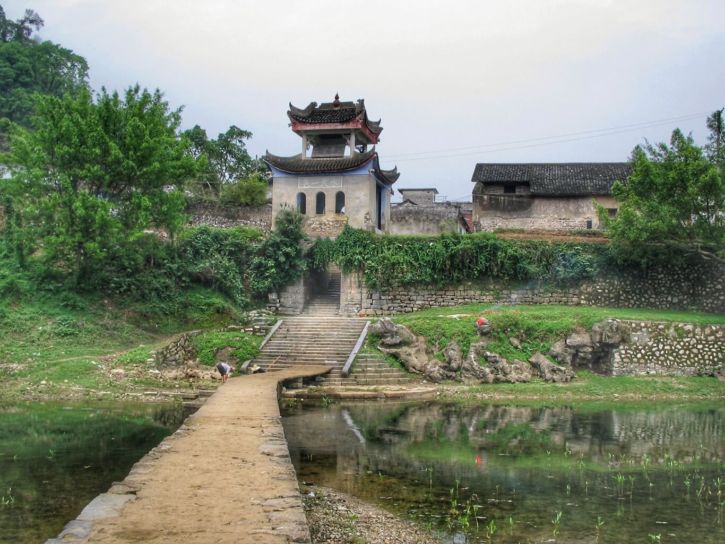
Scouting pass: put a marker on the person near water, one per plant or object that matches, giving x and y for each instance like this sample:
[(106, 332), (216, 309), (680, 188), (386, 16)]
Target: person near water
[(225, 369)]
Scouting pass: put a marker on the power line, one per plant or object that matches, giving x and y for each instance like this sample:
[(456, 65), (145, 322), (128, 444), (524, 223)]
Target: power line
[(536, 142)]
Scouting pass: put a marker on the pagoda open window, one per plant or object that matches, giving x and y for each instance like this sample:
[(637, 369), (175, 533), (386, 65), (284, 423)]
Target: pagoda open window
[(320, 203), (302, 203), (509, 189), (340, 202)]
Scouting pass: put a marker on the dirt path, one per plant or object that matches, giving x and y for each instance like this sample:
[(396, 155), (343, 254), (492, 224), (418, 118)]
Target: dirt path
[(223, 477)]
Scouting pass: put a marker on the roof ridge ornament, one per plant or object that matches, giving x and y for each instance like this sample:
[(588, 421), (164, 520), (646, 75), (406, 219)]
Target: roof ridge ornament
[(336, 102)]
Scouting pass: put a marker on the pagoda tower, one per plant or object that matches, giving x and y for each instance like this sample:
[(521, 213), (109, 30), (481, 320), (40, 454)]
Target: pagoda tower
[(336, 180)]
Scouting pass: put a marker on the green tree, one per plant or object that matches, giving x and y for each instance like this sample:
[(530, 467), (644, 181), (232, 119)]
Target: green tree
[(249, 191), (94, 173), (227, 160), (716, 140), (672, 204), (28, 66), (20, 30)]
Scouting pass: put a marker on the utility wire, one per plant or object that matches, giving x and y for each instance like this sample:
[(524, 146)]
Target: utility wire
[(536, 142)]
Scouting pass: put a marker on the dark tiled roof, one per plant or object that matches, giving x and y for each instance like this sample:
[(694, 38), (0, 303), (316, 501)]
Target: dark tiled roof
[(333, 112), (391, 176), (575, 178), (298, 165), (419, 189), (309, 166)]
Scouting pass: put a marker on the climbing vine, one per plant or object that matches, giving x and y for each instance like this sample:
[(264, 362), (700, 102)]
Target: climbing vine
[(391, 261)]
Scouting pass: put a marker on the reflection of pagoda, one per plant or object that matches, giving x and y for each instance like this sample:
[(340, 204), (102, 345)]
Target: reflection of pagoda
[(340, 181)]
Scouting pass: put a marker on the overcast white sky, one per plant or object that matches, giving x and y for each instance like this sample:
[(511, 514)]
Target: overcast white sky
[(455, 82)]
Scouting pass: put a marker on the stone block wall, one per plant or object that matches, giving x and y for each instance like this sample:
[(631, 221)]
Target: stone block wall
[(231, 216), (328, 225), (430, 219), (177, 351), (674, 349), (290, 300), (700, 288)]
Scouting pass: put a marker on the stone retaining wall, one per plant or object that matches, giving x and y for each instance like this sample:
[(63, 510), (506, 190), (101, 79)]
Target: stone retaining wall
[(700, 288), (177, 351), (231, 216), (673, 349)]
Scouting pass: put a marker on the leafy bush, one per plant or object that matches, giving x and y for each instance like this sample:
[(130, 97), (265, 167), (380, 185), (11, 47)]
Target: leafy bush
[(220, 258), (280, 260), (251, 191)]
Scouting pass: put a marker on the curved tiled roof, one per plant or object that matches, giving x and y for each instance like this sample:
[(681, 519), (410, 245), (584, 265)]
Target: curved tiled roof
[(555, 179), (309, 166), (297, 165), (391, 176), (333, 112)]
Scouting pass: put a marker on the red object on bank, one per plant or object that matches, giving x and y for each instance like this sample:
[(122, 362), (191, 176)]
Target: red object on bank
[(481, 321)]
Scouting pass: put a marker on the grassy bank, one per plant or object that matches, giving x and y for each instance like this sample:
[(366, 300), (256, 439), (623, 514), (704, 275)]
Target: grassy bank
[(65, 346), (536, 327)]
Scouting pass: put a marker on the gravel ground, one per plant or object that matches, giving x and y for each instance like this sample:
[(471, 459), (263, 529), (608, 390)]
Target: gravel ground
[(337, 518)]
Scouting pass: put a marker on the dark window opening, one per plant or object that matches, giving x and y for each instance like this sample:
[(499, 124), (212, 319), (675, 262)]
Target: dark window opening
[(340, 202), (320, 203), (612, 212), (379, 206), (302, 203), (589, 223), (509, 189)]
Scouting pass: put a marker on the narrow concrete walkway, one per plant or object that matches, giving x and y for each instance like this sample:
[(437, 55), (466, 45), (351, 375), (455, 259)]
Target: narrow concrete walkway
[(224, 477)]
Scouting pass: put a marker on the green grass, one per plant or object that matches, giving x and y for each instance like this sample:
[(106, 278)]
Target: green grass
[(73, 340), (244, 346), (537, 327), (587, 387)]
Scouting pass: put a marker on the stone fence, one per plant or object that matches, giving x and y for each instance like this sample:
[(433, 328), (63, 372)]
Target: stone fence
[(700, 288)]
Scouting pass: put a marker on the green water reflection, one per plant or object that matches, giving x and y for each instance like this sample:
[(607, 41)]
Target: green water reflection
[(520, 474), (55, 458)]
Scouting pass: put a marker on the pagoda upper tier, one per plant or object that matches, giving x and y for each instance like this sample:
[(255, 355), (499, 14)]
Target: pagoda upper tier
[(335, 117)]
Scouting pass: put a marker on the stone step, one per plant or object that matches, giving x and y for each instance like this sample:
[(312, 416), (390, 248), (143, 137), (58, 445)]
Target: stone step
[(291, 344)]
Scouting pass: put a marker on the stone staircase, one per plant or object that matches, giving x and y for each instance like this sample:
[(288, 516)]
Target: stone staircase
[(327, 302), (310, 341), (366, 370), (321, 337)]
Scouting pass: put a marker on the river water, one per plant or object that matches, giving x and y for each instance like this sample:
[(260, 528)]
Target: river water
[(56, 457), (505, 474)]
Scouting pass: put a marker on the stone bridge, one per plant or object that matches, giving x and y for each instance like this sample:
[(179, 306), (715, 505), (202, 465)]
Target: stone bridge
[(224, 476)]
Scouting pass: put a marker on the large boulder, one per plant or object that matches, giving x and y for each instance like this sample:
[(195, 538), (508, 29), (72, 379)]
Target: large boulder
[(453, 356), (412, 351), (562, 353), (550, 372), (610, 331), (471, 369), (579, 339), (502, 371), (392, 334)]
